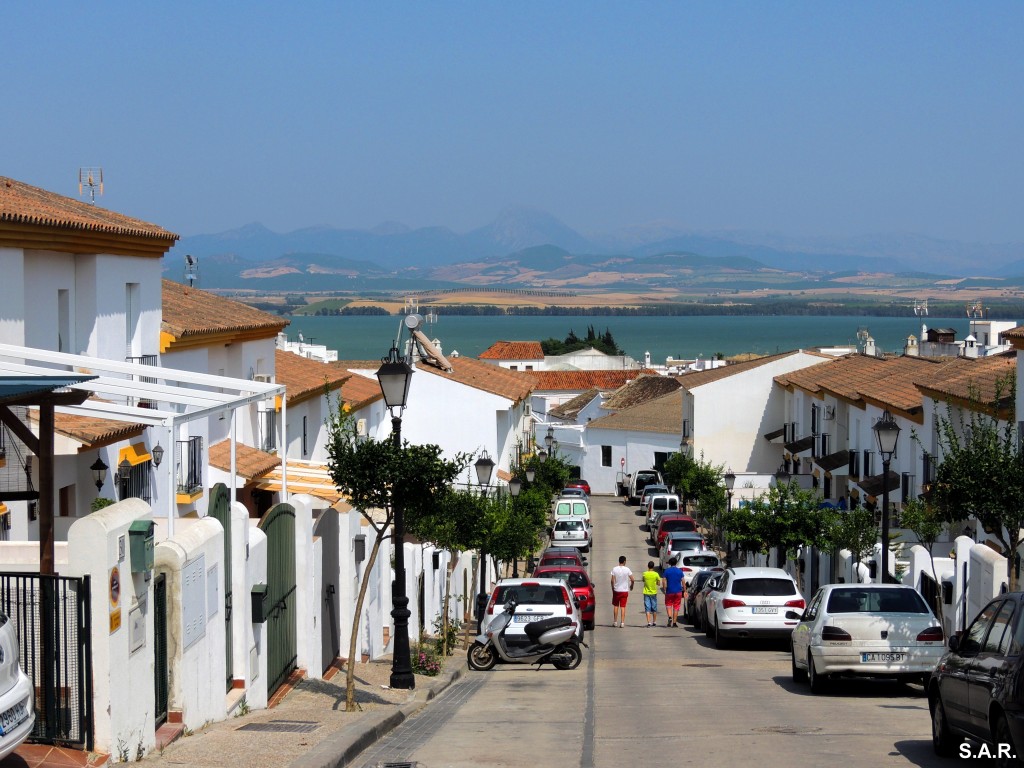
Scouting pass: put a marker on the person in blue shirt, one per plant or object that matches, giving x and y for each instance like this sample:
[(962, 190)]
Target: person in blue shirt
[(672, 585)]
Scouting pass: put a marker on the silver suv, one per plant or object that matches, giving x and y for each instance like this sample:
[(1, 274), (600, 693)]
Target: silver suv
[(751, 602)]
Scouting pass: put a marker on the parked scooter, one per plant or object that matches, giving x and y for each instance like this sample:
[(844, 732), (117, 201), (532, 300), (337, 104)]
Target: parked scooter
[(552, 640)]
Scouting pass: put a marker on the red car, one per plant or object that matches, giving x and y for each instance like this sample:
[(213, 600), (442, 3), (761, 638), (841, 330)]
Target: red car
[(670, 523), (580, 583), (579, 484)]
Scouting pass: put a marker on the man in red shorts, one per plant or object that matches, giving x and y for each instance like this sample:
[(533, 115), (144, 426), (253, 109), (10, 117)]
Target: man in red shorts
[(622, 582)]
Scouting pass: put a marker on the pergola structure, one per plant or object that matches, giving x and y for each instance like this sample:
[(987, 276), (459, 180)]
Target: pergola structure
[(163, 399)]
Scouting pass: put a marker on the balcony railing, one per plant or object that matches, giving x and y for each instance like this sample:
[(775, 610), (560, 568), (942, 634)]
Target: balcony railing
[(152, 360), (190, 465)]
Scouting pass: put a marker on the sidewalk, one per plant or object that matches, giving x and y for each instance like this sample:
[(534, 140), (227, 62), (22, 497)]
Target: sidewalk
[(308, 728)]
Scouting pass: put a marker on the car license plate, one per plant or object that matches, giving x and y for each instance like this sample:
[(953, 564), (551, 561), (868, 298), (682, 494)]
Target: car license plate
[(764, 609), (12, 718), (526, 618), (867, 658)]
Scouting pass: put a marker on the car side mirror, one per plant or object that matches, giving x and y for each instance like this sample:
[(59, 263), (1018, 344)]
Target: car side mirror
[(794, 615), (585, 563), (954, 643)]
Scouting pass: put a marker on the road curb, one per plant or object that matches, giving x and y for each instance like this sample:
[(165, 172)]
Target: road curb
[(344, 747)]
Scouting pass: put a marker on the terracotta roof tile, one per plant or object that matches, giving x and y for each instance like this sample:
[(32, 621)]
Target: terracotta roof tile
[(699, 378), (191, 312), (889, 381), (984, 380), (662, 414), (640, 390), (250, 462), (570, 409), (584, 380), (94, 432), (513, 350), (513, 385), (22, 203), (358, 391), (305, 378)]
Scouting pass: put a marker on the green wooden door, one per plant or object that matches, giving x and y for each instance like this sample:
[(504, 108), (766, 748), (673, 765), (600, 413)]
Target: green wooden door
[(220, 510), (279, 526)]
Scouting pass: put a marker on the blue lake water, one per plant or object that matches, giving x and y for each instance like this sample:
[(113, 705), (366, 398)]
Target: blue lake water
[(362, 338)]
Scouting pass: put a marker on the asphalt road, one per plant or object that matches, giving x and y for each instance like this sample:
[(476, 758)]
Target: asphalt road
[(655, 697)]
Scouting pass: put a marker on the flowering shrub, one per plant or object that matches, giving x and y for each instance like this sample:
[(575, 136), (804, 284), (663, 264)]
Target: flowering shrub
[(453, 634), (425, 661)]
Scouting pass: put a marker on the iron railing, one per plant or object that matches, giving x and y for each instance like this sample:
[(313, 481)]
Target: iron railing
[(152, 360), (190, 465)]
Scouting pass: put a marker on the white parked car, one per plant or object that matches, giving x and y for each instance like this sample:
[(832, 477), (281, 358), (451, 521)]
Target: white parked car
[(17, 701), (680, 543), (536, 599), (751, 602), (693, 563), (875, 630), (571, 533)]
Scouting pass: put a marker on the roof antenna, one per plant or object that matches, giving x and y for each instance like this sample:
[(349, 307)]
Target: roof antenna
[(90, 179), (191, 269)]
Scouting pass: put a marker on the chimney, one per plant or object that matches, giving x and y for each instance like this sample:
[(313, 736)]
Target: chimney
[(869, 347), (647, 359), (971, 347), (911, 349)]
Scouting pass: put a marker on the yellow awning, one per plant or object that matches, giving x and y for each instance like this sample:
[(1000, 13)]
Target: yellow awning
[(135, 454)]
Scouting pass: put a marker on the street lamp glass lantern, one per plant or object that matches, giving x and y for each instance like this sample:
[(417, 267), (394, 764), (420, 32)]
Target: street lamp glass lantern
[(549, 437), (484, 467), (887, 432), (514, 486), (99, 472), (394, 376), (124, 470), (158, 454), (531, 473), (730, 480), (542, 456)]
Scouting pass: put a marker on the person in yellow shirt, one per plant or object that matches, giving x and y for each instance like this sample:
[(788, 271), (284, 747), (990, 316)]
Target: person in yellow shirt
[(651, 581)]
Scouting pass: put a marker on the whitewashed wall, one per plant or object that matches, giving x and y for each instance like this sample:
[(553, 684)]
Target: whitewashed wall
[(731, 415), (122, 680), (637, 448)]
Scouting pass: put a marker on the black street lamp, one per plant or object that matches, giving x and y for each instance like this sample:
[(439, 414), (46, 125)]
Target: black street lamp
[(549, 437), (531, 474), (542, 456), (730, 483), (394, 376), (99, 473), (515, 485), (484, 466), (887, 432)]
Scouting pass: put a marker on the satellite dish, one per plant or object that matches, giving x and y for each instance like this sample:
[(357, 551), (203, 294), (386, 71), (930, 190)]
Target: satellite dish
[(413, 321)]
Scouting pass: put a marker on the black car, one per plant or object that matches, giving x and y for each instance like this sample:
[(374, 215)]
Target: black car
[(696, 585), (977, 688)]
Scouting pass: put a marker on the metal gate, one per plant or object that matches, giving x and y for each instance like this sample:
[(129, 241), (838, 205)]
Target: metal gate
[(220, 510), (160, 679), (279, 526), (51, 616)]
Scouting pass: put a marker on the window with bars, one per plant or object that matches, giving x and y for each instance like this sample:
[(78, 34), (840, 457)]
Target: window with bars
[(190, 465), (137, 484), (268, 431)]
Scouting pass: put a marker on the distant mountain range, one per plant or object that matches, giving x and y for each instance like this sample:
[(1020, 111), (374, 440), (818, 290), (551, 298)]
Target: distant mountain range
[(530, 248)]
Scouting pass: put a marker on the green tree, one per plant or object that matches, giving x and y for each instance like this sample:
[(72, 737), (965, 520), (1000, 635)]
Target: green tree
[(378, 477), (785, 518), (857, 531), (696, 480), (923, 520), (982, 470)]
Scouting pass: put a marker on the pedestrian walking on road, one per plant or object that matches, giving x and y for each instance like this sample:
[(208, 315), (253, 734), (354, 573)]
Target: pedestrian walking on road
[(622, 582), (652, 579), (672, 583)]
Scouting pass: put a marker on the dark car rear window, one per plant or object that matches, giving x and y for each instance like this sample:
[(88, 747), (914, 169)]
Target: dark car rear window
[(575, 578), (569, 525), (678, 525), (763, 586), (868, 600), (560, 560), (530, 595), (700, 561)]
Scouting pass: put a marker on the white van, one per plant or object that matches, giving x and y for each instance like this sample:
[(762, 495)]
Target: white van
[(571, 508), (638, 480)]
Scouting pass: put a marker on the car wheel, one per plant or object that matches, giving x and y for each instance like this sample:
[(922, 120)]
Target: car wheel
[(1001, 735), (799, 675), (721, 643), (481, 657), (568, 656), (817, 682), (942, 739)]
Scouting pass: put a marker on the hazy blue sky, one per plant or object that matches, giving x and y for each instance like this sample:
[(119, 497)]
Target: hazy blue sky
[(804, 118)]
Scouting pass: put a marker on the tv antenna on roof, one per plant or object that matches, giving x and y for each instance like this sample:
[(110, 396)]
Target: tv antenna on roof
[(921, 308), (90, 179), (191, 269), (976, 310)]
